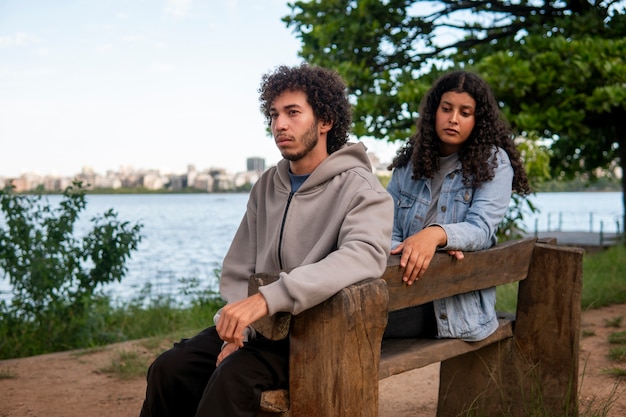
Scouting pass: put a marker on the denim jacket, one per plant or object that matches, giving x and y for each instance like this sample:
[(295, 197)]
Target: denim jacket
[(470, 217)]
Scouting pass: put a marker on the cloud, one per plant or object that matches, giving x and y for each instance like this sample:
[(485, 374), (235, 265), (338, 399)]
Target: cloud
[(163, 68), (43, 52), (178, 8), (18, 39), (134, 38)]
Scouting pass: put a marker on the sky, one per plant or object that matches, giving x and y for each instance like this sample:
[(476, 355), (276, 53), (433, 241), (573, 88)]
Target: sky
[(148, 84)]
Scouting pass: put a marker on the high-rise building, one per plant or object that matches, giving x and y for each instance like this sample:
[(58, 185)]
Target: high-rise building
[(255, 164)]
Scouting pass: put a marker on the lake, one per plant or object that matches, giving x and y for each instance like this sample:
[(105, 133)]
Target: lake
[(186, 236)]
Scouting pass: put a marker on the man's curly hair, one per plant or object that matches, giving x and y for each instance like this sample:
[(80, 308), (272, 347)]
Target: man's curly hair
[(490, 129), (326, 93)]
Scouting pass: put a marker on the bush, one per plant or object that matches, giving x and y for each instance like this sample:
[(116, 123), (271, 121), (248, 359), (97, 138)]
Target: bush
[(55, 276)]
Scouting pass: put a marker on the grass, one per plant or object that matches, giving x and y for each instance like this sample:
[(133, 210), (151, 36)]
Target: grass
[(617, 351), (600, 407), (6, 373), (603, 281), (614, 322), (126, 365), (587, 333), (603, 278), (147, 315), (618, 338)]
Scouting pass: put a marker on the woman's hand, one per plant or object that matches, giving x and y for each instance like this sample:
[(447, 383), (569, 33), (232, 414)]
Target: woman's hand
[(418, 250)]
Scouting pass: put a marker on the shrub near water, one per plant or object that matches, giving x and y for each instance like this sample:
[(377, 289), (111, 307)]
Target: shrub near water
[(54, 276)]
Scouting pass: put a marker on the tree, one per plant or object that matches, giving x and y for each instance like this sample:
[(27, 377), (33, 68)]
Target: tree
[(557, 66)]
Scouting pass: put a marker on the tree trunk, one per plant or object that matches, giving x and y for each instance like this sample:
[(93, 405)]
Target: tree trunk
[(620, 130)]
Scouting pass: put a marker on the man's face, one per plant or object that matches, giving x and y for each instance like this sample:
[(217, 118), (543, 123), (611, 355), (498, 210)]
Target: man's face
[(293, 125)]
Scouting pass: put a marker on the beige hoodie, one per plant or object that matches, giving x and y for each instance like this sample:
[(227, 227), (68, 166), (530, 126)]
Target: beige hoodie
[(333, 232)]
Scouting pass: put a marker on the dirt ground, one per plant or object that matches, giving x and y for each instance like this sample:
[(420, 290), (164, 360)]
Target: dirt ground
[(71, 384)]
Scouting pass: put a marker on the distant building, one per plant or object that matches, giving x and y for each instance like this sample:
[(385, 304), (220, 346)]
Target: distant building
[(244, 178), (378, 168), (203, 181), (255, 164)]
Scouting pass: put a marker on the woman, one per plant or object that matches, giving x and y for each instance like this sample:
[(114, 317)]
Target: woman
[(452, 185)]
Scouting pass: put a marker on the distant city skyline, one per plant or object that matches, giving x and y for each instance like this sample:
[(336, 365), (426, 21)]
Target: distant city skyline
[(209, 179), (383, 151)]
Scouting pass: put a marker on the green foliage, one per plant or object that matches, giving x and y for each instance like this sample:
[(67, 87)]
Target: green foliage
[(580, 184), (558, 68), (572, 91), (54, 275)]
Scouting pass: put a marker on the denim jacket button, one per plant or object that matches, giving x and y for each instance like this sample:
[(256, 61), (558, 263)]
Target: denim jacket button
[(443, 208), (443, 317)]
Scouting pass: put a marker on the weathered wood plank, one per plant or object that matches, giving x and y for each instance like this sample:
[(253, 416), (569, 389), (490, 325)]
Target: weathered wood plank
[(473, 381), (447, 276), (538, 369), (275, 401), (402, 355), (335, 353), (547, 330), (276, 326)]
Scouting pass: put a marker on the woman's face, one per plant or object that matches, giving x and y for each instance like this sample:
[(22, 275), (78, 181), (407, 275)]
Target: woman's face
[(454, 121)]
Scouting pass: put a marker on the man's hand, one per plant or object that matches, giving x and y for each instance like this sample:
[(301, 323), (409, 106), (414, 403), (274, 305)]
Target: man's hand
[(226, 350), (237, 316)]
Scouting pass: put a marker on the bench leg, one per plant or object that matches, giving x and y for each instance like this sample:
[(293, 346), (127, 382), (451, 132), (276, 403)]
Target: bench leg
[(471, 384), (536, 372), (344, 383), (547, 330)]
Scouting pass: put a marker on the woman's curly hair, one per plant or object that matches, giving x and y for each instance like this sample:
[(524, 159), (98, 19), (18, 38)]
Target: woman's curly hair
[(326, 93), (490, 129)]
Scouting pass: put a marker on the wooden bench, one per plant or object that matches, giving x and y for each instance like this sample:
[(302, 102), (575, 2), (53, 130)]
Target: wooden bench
[(530, 363)]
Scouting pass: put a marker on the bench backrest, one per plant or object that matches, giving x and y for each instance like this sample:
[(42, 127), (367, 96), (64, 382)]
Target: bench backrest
[(502, 264)]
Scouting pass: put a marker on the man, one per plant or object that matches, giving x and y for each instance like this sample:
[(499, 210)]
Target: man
[(320, 214)]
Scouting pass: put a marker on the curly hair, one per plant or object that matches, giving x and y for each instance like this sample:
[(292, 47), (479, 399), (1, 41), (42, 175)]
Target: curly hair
[(490, 129), (326, 93)]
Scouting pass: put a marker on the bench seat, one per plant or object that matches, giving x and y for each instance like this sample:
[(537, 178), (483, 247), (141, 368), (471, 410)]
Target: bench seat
[(402, 355)]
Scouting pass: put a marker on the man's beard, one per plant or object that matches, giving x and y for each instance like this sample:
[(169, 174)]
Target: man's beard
[(309, 140)]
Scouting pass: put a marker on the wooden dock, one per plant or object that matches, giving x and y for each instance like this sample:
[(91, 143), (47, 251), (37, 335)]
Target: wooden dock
[(595, 240)]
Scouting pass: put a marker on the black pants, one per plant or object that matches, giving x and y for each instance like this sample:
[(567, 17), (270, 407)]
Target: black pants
[(412, 322), (184, 381)]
